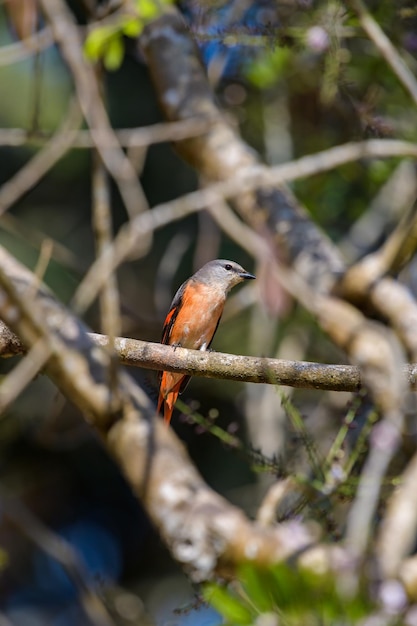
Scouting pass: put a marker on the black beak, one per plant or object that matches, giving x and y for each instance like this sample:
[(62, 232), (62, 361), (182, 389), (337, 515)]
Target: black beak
[(247, 275)]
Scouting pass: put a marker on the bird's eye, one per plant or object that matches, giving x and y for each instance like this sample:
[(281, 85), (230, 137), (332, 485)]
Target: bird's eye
[(228, 267)]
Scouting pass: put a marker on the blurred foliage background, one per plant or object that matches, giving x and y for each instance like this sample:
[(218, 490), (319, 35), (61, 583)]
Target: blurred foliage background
[(296, 77)]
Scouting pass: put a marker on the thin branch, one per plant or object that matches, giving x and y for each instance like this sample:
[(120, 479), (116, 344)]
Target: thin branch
[(129, 237), (67, 36), (386, 48), (35, 237), (384, 443), (336, 157), (156, 356), (103, 232), (22, 374), (365, 283), (22, 50), (180, 130), (235, 367), (393, 199), (359, 280), (400, 246), (397, 304), (31, 173), (397, 535), (140, 137)]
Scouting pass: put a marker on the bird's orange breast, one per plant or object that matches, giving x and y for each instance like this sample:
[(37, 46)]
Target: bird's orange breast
[(198, 316)]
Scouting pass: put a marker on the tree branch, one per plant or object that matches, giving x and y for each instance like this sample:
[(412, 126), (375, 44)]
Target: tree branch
[(220, 365), (205, 533)]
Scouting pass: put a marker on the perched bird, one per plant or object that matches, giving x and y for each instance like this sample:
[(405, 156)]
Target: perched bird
[(193, 318)]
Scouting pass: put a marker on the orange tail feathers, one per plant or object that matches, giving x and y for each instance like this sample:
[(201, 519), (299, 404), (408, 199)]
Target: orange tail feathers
[(168, 394)]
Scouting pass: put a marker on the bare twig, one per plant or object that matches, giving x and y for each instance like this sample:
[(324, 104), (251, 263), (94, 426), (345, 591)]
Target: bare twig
[(392, 200), (397, 534), (366, 283), (22, 374), (103, 231), (167, 266), (129, 237), (400, 246), (67, 36), (30, 174), (21, 50), (337, 156), (41, 265), (397, 304), (390, 257), (193, 127), (386, 48), (385, 439), (35, 237), (128, 137)]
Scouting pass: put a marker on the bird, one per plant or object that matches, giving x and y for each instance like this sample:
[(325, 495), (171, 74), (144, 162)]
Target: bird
[(193, 318)]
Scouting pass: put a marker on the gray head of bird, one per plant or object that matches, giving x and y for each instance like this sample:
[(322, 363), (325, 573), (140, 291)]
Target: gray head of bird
[(222, 272)]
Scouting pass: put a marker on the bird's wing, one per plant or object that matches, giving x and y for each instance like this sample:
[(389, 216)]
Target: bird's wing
[(170, 319), (172, 315)]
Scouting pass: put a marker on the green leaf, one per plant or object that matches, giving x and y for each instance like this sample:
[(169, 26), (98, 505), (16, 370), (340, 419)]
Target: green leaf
[(132, 27), (232, 609), (114, 54), (106, 42), (147, 9), (97, 41), (257, 584)]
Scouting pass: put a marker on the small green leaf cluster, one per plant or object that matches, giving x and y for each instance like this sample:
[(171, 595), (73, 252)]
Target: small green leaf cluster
[(282, 594), (105, 41)]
